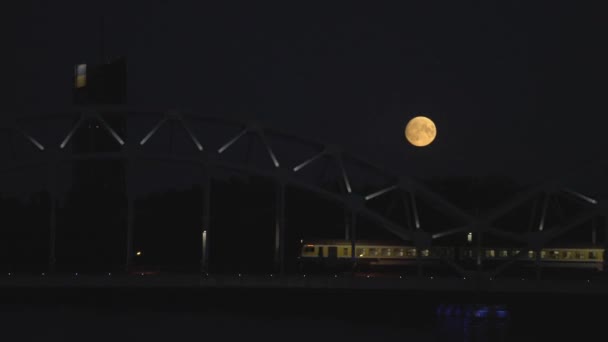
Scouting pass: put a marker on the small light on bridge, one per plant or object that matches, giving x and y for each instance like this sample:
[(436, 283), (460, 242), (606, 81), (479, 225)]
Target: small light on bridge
[(271, 275), (239, 275), (9, 274), (304, 276), (431, 277), (335, 276), (142, 273), (109, 274), (138, 253), (464, 278), (76, 274), (400, 277), (301, 240), (43, 274)]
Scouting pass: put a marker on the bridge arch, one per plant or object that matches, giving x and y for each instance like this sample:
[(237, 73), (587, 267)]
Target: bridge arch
[(209, 158)]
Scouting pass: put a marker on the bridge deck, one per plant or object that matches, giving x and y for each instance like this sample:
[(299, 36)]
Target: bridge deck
[(436, 284)]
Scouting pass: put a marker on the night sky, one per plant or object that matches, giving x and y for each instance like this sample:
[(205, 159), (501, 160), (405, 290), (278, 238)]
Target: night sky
[(513, 86), (516, 89)]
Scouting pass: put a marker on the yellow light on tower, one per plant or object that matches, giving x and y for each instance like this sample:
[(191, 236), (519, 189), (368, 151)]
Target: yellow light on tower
[(81, 75)]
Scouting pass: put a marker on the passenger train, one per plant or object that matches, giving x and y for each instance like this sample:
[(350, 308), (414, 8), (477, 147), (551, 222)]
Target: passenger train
[(333, 254)]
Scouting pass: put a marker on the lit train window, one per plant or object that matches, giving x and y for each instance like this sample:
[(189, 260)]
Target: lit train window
[(515, 252), (425, 252), (566, 255), (592, 255), (345, 252), (490, 253), (398, 251), (411, 252), (360, 252), (373, 252), (543, 254), (530, 254), (386, 252)]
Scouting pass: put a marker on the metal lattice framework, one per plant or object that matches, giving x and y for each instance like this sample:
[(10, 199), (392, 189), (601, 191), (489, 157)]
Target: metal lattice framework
[(210, 158)]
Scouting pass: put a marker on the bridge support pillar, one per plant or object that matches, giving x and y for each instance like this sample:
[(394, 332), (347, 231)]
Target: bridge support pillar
[(130, 219), (415, 210), (408, 212), (129, 190), (604, 221), (206, 223), (353, 227), (52, 189), (537, 263), (543, 214), (347, 218), (279, 248), (53, 232), (594, 223), (479, 252)]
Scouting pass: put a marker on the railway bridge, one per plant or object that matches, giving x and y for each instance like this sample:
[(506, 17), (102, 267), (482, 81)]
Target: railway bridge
[(47, 142)]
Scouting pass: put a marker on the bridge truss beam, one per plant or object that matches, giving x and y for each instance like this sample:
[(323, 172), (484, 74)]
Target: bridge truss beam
[(352, 202)]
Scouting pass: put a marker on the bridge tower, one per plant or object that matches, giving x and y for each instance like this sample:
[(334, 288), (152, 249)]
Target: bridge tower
[(98, 189)]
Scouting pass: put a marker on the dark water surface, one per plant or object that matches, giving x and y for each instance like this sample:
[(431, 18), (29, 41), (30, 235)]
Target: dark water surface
[(281, 315)]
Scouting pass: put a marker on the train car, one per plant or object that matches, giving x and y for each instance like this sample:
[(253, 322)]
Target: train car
[(337, 254), (559, 257), (334, 255)]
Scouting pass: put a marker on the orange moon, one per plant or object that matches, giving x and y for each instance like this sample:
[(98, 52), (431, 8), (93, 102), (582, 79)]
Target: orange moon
[(420, 131)]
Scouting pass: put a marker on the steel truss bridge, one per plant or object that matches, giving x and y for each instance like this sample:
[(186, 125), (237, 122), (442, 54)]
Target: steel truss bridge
[(41, 141)]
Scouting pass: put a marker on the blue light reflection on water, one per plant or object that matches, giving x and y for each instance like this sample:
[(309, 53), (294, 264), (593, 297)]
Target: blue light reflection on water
[(477, 311), (456, 322), (471, 329)]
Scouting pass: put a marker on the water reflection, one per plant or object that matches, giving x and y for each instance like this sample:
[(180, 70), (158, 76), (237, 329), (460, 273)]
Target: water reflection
[(472, 323)]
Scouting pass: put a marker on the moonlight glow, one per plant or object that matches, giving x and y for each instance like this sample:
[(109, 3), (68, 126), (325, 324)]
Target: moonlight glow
[(420, 131)]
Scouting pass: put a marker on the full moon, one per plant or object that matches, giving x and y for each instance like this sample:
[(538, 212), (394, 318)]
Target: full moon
[(420, 131)]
